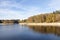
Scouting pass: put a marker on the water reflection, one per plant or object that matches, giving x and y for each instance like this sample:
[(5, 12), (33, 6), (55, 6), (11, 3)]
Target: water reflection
[(47, 29), (18, 32)]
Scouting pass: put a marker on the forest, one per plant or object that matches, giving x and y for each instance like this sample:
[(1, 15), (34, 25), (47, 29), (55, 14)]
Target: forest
[(43, 18)]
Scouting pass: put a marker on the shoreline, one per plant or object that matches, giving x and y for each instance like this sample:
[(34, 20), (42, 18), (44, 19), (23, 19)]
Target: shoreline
[(40, 24), (35, 24)]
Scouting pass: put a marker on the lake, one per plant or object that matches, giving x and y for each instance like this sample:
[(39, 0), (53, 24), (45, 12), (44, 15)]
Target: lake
[(20, 32)]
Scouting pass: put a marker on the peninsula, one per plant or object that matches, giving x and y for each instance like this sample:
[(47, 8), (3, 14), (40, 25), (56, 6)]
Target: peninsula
[(41, 19)]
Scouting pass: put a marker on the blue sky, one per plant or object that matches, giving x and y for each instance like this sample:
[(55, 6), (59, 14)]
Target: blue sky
[(22, 9)]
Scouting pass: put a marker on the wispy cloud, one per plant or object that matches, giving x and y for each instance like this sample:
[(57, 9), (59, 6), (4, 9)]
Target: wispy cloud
[(54, 4), (21, 9), (14, 10)]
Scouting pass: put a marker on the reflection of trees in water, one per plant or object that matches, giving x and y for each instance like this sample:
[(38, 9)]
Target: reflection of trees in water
[(49, 29)]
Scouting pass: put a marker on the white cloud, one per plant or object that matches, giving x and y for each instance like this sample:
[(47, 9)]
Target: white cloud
[(10, 4), (7, 13), (55, 4), (15, 10)]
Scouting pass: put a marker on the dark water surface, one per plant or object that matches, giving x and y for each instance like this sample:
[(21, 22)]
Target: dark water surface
[(18, 32)]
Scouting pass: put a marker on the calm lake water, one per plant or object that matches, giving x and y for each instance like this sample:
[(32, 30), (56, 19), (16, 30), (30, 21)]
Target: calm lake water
[(19, 32)]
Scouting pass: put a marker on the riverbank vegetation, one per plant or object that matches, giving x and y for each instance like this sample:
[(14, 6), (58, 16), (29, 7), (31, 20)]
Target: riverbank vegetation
[(41, 18), (9, 21), (44, 18)]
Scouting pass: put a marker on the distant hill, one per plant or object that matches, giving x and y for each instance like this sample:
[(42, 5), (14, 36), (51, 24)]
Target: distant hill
[(44, 18)]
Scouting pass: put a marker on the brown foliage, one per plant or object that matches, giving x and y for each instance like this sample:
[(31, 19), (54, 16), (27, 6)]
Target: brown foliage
[(47, 17)]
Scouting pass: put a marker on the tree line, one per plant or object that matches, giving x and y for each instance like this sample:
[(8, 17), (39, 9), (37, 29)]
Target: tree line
[(42, 18), (9, 21)]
